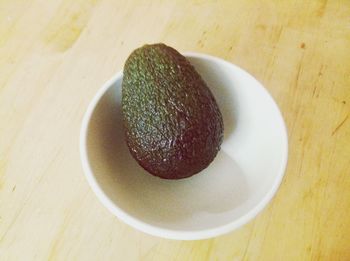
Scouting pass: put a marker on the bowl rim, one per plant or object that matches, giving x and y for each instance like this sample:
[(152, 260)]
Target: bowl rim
[(164, 232)]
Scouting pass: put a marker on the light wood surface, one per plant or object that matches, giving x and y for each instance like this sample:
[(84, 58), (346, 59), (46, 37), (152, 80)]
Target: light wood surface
[(55, 55)]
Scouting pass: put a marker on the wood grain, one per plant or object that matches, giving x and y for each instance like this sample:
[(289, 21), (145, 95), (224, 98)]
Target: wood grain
[(55, 55)]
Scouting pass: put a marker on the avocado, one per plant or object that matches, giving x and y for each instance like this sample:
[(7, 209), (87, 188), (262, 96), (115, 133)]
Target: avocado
[(172, 123)]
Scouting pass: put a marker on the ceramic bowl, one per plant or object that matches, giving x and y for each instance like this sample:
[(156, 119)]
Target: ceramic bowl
[(235, 187)]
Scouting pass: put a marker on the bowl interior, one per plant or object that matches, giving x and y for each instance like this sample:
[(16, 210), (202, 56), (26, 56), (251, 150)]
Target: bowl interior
[(241, 180)]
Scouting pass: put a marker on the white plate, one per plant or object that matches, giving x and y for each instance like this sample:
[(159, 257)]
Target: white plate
[(238, 184)]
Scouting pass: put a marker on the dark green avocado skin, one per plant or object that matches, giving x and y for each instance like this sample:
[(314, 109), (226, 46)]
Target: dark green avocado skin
[(172, 123)]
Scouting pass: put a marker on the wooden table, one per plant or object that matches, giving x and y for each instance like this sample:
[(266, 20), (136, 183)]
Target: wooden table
[(55, 55)]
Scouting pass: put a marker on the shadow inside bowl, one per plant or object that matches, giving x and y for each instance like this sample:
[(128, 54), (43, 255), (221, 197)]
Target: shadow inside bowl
[(208, 199)]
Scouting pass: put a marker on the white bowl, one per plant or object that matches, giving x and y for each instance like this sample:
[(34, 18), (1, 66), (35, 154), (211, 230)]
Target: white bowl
[(236, 186)]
